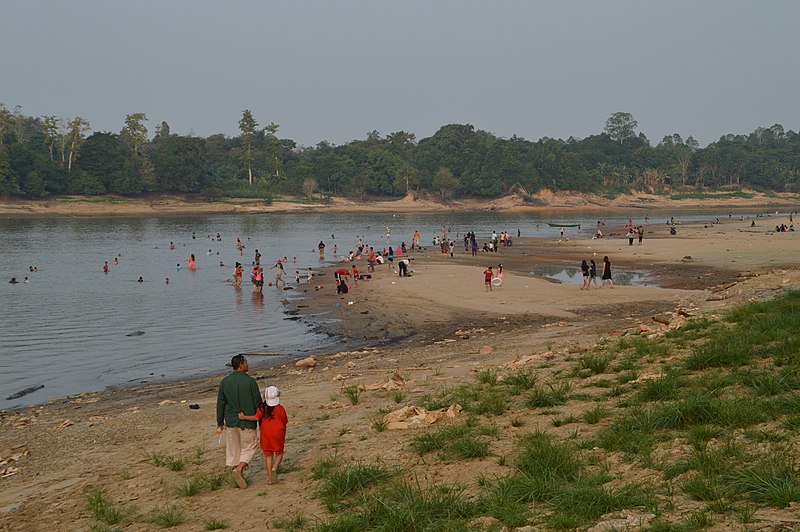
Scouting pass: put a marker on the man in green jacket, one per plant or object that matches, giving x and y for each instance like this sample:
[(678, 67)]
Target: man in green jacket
[(238, 392)]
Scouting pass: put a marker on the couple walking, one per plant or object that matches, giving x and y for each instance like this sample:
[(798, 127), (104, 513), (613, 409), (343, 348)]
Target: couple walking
[(240, 410), (589, 271)]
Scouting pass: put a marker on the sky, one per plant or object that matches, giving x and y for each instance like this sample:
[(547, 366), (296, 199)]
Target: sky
[(334, 70)]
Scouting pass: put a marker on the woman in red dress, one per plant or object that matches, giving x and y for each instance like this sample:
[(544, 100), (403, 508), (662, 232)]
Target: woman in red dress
[(272, 421)]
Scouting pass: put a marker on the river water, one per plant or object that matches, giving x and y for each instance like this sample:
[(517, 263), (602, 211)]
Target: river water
[(74, 329)]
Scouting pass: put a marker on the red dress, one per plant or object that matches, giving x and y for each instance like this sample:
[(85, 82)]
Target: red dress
[(273, 430)]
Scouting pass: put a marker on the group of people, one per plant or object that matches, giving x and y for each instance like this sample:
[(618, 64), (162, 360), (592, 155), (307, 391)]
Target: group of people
[(589, 272)]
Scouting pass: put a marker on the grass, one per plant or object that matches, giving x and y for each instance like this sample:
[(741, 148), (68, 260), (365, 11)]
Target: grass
[(594, 415), (343, 481), (773, 480), (663, 388), (353, 393), (549, 395), (521, 380), (168, 516), (99, 505), (487, 376), (406, 506), (298, 522), (397, 396), (594, 363), (191, 487), (459, 441), (378, 423), (168, 461), (215, 524), (517, 422)]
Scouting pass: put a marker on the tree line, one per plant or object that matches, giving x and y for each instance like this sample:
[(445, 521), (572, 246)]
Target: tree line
[(49, 155)]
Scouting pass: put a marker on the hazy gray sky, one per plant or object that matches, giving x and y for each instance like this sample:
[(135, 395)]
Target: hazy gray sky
[(334, 70)]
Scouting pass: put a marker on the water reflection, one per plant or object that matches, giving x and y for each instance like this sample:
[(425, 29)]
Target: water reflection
[(574, 276)]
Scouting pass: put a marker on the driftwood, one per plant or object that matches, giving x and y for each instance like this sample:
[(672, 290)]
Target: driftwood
[(663, 321)]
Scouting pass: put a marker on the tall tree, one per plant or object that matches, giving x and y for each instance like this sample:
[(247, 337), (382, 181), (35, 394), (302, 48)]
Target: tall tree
[(135, 132), (248, 125), (50, 128), (78, 127), (445, 183), (620, 126)]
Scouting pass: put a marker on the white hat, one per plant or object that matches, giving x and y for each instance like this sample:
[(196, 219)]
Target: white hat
[(272, 396)]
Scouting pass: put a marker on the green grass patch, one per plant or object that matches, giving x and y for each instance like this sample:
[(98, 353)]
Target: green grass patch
[(404, 506), (549, 395), (168, 516), (101, 507), (339, 484)]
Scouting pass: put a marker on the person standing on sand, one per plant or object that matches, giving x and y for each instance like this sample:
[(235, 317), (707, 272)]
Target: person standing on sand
[(593, 273), (585, 272), (630, 236), (272, 420), (487, 278), (238, 393), (641, 234), (606, 273)]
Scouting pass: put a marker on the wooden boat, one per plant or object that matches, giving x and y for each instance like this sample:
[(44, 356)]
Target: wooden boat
[(564, 225)]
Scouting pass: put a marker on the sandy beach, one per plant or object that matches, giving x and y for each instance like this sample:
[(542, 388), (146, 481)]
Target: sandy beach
[(436, 328)]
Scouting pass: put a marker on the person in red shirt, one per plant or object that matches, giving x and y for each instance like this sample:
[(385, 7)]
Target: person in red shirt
[(272, 420), (487, 278), (341, 275), (355, 275)]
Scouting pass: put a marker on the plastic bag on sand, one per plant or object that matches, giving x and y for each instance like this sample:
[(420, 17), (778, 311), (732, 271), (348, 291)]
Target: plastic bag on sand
[(411, 417), (394, 382)]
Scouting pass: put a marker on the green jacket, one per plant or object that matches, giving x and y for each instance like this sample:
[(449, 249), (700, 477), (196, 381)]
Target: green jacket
[(238, 392)]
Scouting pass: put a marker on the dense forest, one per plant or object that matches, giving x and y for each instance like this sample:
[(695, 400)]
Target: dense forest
[(41, 156)]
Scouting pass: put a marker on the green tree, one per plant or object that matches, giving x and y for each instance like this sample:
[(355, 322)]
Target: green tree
[(445, 183), (621, 126), (78, 127), (135, 132), (50, 125), (248, 125)]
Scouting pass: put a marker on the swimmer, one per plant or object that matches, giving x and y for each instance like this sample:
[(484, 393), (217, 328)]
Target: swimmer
[(178, 266), (13, 280), (25, 280), (105, 267), (140, 280), (237, 275), (221, 264), (171, 245), (116, 261), (166, 281)]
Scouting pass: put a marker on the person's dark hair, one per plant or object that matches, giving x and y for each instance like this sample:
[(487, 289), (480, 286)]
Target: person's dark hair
[(269, 411), (605, 259), (237, 361)]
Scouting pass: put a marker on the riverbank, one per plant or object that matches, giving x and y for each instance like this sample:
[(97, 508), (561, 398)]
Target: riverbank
[(635, 204), (441, 329)]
